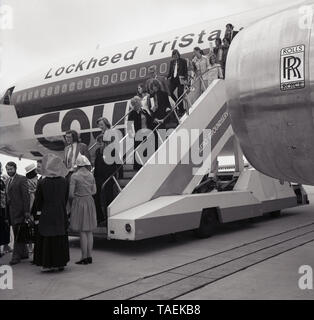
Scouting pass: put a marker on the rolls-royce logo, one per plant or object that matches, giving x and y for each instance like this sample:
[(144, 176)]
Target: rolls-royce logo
[(292, 75)]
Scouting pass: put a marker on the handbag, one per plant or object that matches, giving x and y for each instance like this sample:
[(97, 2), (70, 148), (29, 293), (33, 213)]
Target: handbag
[(25, 232), (4, 231)]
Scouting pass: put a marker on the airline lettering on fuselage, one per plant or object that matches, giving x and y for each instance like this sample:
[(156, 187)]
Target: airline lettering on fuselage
[(292, 67), (184, 41), (74, 115), (90, 64), (154, 48)]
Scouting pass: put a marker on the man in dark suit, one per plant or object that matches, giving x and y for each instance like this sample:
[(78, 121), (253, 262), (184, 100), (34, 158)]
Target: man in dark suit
[(73, 148), (230, 33), (161, 107), (18, 206), (178, 74)]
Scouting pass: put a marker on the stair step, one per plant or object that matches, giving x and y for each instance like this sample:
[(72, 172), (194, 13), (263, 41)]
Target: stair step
[(128, 167), (129, 174), (123, 182)]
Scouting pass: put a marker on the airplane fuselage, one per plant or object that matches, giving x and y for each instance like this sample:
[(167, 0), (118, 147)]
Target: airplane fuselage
[(74, 93)]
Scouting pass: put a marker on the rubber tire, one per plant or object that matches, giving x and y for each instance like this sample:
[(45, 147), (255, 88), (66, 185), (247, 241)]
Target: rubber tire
[(275, 214), (208, 224)]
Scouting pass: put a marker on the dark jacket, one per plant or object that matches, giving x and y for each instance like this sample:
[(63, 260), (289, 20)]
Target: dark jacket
[(230, 35), (51, 200), (182, 70), (4, 228), (102, 170), (2, 199), (137, 120), (163, 103), (18, 200)]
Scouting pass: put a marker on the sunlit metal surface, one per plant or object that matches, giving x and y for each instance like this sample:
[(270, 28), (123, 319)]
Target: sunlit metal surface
[(275, 127)]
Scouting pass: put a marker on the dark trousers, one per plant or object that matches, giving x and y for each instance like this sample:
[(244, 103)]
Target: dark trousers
[(98, 201), (20, 250), (4, 230), (103, 198), (137, 164), (175, 84)]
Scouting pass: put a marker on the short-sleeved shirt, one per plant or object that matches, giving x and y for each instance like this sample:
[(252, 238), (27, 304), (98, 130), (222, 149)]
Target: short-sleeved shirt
[(83, 183)]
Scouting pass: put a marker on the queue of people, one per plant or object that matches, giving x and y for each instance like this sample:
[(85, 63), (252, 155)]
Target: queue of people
[(46, 199), (159, 94)]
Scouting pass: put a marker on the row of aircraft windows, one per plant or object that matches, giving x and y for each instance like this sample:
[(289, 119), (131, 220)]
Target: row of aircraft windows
[(86, 84)]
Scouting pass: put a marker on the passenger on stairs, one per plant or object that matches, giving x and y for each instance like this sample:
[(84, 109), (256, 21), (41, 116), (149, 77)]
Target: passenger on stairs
[(178, 76), (225, 49), (144, 96), (230, 33), (218, 50), (161, 107), (214, 71), (139, 123), (201, 65), (152, 74)]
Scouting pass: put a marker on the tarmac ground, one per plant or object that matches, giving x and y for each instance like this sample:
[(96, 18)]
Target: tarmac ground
[(257, 259)]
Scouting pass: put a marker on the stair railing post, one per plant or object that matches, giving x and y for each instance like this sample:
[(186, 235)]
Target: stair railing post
[(117, 183)]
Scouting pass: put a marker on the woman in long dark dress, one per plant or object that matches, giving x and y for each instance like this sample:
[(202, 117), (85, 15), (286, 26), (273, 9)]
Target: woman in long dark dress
[(4, 226), (53, 247)]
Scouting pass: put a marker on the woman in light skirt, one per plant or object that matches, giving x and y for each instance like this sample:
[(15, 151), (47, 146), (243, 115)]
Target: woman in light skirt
[(83, 210)]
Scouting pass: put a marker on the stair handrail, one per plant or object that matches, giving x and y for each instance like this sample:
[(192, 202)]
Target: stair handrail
[(179, 100), (115, 125)]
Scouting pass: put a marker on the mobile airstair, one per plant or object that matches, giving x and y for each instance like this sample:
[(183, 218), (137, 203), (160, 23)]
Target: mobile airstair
[(160, 198)]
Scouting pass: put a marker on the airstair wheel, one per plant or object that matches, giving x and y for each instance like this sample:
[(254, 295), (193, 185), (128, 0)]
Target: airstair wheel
[(275, 214), (208, 224)]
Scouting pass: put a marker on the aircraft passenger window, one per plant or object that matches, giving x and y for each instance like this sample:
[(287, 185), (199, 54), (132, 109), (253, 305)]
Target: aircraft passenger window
[(36, 154), (133, 74), (30, 95), (72, 86), (80, 85), (114, 78), (143, 72), (42, 92), (123, 76), (64, 88), (57, 89), (36, 94), (88, 83), (24, 96), (49, 91), (163, 68), (105, 80), (96, 81)]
